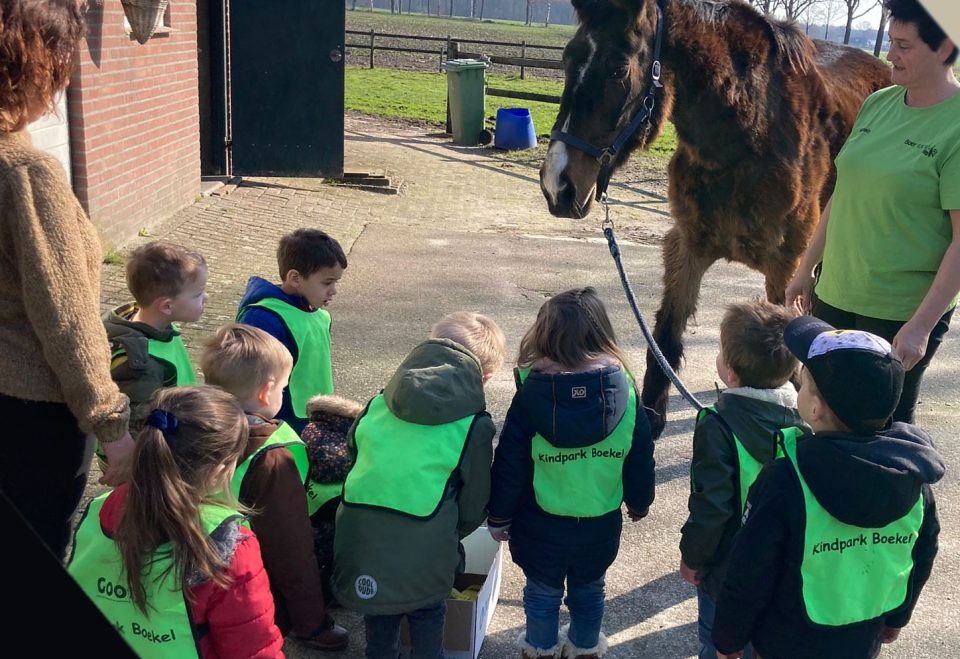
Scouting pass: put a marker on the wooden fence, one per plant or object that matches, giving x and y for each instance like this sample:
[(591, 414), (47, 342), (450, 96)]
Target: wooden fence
[(451, 48)]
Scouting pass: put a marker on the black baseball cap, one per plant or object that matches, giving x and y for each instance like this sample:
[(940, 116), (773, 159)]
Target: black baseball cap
[(858, 374)]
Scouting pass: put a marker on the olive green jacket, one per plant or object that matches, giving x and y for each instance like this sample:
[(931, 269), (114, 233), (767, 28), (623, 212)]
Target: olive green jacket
[(386, 562)]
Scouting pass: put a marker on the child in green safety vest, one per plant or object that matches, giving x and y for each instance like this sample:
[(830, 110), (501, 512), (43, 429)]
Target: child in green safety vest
[(420, 482), (165, 557), (272, 480), (575, 447), (325, 436), (840, 534), (168, 284), (295, 313), (732, 441)]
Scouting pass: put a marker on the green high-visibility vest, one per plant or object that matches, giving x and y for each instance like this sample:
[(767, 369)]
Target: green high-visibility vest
[(174, 353), (165, 631), (850, 573), (285, 437), (586, 481), (313, 371), (403, 466), (748, 467)]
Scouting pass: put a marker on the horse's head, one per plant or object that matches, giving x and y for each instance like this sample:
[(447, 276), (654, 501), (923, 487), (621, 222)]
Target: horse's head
[(607, 67)]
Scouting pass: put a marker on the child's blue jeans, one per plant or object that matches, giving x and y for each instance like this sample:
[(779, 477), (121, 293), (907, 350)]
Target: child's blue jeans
[(541, 603), (706, 613), (426, 633)]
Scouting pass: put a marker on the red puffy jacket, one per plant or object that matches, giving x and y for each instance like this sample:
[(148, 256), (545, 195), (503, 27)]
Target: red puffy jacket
[(239, 620)]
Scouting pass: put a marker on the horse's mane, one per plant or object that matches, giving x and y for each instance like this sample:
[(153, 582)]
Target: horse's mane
[(791, 45)]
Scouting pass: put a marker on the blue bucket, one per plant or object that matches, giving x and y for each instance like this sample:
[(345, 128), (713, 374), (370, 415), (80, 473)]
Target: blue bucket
[(514, 129)]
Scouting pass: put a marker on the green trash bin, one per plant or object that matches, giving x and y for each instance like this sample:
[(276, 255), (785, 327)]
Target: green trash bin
[(466, 93)]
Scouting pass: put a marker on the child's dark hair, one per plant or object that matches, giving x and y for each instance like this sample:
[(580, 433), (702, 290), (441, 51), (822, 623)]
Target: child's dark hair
[(307, 251), (751, 341), (161, 269), (174, 471), (911, 11), (571, 329)]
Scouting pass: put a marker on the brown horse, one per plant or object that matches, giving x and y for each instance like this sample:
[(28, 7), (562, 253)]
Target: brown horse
[(760, 112)]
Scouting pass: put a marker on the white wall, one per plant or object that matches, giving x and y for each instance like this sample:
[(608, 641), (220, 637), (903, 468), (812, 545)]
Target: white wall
[(51, 133)]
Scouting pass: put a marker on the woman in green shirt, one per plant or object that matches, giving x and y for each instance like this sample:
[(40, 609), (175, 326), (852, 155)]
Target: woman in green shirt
[(888, 241)]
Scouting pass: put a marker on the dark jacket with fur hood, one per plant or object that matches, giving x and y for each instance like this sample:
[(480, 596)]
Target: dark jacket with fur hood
[(863, 481)]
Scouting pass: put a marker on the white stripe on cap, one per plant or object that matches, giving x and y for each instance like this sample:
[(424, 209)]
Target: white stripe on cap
[(847, 340)]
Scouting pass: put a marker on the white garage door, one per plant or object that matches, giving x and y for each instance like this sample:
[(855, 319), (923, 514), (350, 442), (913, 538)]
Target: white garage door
[(52, 134)]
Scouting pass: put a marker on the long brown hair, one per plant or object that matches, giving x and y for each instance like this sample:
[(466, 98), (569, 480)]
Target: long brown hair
[(572, 329), (38, 43), (175, 470)]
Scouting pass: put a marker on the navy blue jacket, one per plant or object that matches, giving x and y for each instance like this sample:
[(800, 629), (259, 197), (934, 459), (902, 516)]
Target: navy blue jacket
[(259, 289), (548, 547), (862, 481)]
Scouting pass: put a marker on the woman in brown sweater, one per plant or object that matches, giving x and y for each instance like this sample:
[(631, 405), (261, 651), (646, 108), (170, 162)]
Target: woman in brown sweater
[(55, 386)]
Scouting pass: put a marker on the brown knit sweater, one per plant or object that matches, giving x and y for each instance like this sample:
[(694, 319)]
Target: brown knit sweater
[(52, 343)]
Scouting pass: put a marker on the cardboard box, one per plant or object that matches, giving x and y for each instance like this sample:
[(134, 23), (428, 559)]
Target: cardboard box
[(467, 621)]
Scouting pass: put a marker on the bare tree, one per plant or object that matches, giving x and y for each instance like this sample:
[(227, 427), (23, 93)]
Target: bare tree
[(473, 8), (481, 10), (884, 15), (529, 12), (450, 13), (852, 7), (794, 9), (546, 20)]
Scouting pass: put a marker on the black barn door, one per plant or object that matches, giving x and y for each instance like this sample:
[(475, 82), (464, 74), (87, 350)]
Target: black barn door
[(285, 89)]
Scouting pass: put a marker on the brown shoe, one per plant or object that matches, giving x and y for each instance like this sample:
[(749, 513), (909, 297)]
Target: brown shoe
[(330, 639)]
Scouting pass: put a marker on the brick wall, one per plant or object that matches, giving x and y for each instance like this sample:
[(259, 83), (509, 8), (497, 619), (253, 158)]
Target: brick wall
[(134, 122)]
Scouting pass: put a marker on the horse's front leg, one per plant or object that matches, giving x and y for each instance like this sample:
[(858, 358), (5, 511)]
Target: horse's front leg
[(683, 270)]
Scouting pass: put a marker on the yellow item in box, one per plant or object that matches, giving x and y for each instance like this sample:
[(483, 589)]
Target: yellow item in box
[(468, 594)]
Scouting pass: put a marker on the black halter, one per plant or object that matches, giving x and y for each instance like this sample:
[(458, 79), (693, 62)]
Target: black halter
[(606, 156)]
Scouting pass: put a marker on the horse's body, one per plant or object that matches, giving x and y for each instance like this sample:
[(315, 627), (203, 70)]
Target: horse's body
[(760, 112)]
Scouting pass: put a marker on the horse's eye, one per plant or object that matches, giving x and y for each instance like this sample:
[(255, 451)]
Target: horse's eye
[(620, 72)]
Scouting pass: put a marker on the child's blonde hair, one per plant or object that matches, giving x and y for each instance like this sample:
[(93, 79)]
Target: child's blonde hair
[(477, 333), (751, 341), (161, 269), (572, 328), (242, 358), (191, 432)]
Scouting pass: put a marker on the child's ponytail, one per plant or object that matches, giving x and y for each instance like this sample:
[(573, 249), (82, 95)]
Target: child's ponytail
[(184, 457)]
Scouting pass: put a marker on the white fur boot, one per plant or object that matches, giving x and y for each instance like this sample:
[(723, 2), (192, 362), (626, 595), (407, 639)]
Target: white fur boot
[(571, 651), (527, 651)]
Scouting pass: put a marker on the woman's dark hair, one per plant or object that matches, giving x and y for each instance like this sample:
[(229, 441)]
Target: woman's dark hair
[(911, 11), (38, 42)]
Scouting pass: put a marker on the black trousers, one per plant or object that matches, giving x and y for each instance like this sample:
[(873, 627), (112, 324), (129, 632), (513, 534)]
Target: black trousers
[(44, 460), (907, 407)]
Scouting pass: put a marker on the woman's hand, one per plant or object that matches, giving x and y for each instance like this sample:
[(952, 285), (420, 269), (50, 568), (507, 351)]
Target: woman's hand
[(799, 293), (119, 459), (732, 655), (910, 344)]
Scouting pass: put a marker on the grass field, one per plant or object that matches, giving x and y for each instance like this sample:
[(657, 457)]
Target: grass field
[(421, 96), (555, 35)]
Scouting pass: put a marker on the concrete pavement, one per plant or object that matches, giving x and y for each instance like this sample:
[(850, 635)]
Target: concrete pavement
[(469, 232)]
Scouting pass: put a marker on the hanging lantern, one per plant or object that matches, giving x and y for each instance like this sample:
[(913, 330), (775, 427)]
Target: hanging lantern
[(144, 16)]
